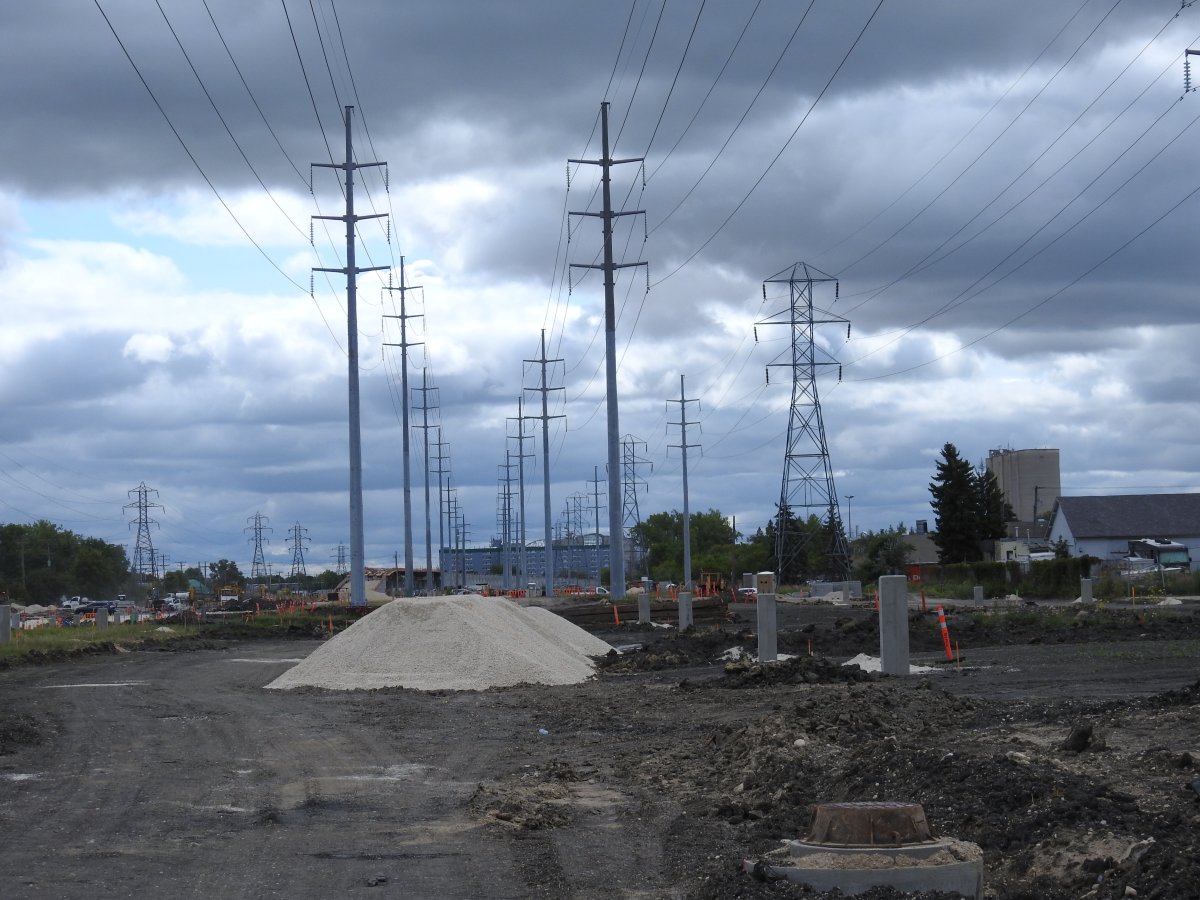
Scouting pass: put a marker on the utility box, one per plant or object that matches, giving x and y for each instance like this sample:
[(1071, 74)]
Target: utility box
[(765, 582)]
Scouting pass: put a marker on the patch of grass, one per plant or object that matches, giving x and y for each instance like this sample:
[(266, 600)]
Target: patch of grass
[(41, 644)]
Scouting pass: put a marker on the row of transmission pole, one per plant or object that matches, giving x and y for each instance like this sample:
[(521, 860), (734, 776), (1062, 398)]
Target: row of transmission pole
[(807, 480)]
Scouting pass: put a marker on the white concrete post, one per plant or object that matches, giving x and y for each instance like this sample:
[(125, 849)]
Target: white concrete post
[(893, 624), (686, 620), (768, 639)]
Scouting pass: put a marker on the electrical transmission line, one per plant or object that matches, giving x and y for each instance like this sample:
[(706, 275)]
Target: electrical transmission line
[(807, 475), (144, 560)]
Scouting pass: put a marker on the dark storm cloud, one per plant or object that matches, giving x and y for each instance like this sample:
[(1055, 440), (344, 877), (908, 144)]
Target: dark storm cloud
[(477, 105)]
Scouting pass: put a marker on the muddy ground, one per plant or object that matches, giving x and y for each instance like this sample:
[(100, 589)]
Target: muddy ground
[(1066, 745)]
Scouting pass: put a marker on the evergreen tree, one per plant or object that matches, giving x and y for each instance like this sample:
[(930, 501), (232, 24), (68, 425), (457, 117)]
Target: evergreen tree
[(956, 507), (993, 511)]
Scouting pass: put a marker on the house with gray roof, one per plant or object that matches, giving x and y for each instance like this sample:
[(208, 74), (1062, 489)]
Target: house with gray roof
[(1104, 526)]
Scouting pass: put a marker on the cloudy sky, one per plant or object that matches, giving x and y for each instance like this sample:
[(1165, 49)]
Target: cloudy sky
[(1006, 193)]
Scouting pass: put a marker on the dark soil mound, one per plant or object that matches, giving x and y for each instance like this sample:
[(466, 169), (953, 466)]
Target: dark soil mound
[(1186, 696), (797, 670)]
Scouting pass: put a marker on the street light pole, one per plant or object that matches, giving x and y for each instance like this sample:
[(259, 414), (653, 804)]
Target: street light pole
[(849, 520)]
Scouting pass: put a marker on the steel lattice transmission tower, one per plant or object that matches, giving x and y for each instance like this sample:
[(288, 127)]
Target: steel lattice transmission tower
[(298, 537), (144, 558), (258, 568), (808, 487)]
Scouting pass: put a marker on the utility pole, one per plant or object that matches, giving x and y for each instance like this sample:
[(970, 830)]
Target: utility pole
[(298, 537), (358, 587), (425, 406), (505, 517), (579, 503), (631, 517), (452, 525), (452, 531), (520, 437), (807, 473), (443, 469), (404, 345), (683, 446), (258, 568), (544, 389), (616, 556), (596, 506), (464, 529)]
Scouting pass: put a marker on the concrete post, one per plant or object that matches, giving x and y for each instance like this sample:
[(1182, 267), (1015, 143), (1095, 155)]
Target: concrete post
[(1085, 590), (643, 608), (978, 595), (685, 610), (5, 623), (102, 617), (768, 643), (893, 624)]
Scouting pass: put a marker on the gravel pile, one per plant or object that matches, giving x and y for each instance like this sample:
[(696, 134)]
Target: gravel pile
[(450, 643)]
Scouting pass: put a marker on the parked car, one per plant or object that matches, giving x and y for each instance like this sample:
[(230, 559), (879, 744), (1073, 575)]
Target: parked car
[(97, 605), (748, 593)]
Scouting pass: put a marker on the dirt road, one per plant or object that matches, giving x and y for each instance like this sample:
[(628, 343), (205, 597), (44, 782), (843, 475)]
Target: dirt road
[(175, 774), (159, 774)]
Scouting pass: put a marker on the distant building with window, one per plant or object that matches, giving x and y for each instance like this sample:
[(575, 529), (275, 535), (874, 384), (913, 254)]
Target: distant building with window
[(578, 561), (1103, 527)]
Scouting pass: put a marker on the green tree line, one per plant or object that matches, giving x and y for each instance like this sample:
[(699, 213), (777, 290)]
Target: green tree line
[(42, 562), (718, 547)]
